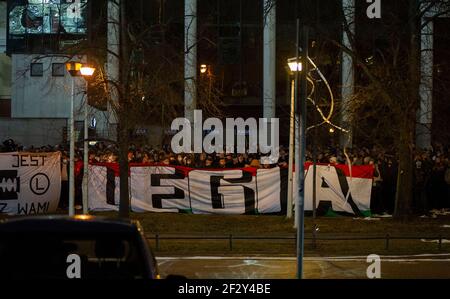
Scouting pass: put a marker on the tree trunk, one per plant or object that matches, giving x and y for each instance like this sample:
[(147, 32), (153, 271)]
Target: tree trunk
[(124, 204), (403, 196), (123, 126)]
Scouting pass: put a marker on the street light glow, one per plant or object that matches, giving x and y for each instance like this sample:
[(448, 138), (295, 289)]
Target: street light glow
[(203, 68), (294, 65), (73, 67), (87, 70)]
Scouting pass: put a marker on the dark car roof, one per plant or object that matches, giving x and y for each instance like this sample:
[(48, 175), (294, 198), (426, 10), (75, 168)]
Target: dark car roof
[(61, 223)]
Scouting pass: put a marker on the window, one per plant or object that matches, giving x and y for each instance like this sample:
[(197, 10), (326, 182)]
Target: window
[(58, 69), (37, 69), (5, 108)]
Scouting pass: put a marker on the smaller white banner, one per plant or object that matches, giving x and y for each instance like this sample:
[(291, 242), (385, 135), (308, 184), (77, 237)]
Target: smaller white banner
[(30, 183)]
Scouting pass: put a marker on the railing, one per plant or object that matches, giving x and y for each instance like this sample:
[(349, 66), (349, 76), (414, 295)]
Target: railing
[(230, 238)]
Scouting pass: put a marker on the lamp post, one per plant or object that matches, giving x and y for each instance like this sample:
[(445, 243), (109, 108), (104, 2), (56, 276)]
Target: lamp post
[(301, 157), (75, 70), (294, 67), (300, 63), (86, 71), (205, 70)]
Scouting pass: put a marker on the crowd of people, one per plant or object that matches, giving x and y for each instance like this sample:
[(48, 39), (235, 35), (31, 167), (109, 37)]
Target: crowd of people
[(431, 168), (148, 155)]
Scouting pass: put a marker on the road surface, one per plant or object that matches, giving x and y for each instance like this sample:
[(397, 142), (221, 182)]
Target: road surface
[(257, 267)]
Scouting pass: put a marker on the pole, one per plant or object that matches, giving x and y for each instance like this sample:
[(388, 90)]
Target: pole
[(190, 58), (347, 67), (314, 194), (297, 153), (269, 58), (299, 257), (301, 164), (315, 157), (314, 174), (296, 125), (425, 116), (113, 66), (291, 153), (85, 155), (72, 155)]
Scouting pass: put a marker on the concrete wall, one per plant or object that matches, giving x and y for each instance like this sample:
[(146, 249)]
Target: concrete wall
[(2, 27), (5, 61), (5, 77), (36, 132), (43, 97)]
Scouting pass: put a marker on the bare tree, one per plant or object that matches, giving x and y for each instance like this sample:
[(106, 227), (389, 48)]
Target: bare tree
[(389, 94), (150, 86)]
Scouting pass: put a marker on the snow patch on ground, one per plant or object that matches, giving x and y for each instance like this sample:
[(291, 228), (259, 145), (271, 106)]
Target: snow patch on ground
[(435, 241)]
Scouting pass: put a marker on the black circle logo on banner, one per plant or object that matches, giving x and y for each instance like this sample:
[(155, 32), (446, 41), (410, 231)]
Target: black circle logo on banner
[(39, 183)]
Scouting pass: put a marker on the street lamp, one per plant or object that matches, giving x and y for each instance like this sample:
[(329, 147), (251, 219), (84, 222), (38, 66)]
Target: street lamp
[(203, 68), (299, 65), (73, 68), (300, 217), (86, 71), (76, 69), (294, 66)]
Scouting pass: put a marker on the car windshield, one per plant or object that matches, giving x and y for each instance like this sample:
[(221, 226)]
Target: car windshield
[(46, 255)]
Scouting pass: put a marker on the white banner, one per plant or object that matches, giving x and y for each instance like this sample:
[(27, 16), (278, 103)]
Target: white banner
[(103, 189), (30, 183), (229, 191), (269, 190), (222, 192), (158, 189), (344, 193), (174, 189)]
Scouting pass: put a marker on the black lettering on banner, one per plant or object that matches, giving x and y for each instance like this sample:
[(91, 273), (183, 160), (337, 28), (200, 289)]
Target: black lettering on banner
[(32, 208), (22, 210), (43, 207), (249, 193), (3, 207), (28, 160), (344, 187), (17, 161), (23, 161), (39, 183), (9, 185), (34, 161), (110, 186), (155, 181), (284, 174), (324, 184), (342, 179)]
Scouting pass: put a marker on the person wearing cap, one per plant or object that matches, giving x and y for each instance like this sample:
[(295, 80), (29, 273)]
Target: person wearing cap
[(333, 160), (222, 163), (254, 163), (209, 162)]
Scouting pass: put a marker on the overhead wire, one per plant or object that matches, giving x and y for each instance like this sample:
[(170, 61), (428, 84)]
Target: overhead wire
[(327, 120)]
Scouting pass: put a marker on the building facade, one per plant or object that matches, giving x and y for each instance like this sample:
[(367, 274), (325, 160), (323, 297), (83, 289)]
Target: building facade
[(35, 88)]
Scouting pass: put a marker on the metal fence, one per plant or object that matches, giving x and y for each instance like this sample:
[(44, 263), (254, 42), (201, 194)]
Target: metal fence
[(231, 238)]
